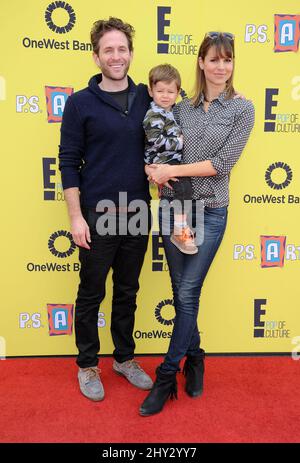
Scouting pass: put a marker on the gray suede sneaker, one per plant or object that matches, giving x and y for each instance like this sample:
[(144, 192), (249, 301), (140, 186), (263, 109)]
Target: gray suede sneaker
[(90, 383), (134, 373)]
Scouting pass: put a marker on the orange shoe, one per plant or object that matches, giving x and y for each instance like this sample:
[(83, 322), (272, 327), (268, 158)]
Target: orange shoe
[(183, 239)]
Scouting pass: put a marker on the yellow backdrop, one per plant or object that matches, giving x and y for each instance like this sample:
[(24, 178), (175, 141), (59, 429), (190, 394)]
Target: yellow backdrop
[(250, 300)]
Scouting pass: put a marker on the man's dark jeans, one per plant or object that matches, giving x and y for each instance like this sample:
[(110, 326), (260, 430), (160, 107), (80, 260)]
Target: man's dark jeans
[(125, 256)]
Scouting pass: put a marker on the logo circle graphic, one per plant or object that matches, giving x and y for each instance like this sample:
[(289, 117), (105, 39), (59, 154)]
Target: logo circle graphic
[(54, 251), (49, 20), (286, 182), (158, 315)]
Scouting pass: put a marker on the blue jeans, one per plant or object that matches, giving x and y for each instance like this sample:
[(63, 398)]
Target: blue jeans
[(187, 274)]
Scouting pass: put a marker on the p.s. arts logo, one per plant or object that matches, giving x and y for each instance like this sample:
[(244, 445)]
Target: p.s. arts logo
[(60, 319), (30, 320), (169, 41), (165, 315), (60, 18), (256, 33), (267, 328), (56, 98), (274, 251), (56, 7), (278, 176), (28, 104), (53, 189), (62, 246), (286, 33)]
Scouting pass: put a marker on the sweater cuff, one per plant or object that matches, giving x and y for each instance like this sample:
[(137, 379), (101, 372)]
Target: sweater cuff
[(70, 180)]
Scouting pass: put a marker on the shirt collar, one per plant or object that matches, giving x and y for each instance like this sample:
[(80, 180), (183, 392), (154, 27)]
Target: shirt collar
[(221, 98)]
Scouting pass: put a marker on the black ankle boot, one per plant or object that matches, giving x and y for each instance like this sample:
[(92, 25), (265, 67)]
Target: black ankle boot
[(193, 370), (165, 386)]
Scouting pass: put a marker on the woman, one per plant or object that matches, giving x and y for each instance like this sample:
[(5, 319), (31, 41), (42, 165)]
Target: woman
[(216, 127)]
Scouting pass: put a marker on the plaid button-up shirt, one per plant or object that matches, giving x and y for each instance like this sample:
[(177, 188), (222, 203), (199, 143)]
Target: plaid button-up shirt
[(218, 135)]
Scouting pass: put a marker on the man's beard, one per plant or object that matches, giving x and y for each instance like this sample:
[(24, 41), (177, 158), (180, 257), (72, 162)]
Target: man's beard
[(108, 74)]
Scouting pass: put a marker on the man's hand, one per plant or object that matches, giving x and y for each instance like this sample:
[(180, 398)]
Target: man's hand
[(80, 232), (79, 228)]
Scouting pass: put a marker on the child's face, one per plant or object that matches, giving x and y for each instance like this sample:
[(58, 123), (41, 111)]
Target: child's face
[(164, 94)]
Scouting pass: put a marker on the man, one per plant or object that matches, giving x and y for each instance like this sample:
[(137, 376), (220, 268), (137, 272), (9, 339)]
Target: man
[(101, 154)]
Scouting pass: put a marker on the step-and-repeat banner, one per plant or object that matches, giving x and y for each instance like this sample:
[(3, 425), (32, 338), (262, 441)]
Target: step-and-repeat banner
[(250, 300)]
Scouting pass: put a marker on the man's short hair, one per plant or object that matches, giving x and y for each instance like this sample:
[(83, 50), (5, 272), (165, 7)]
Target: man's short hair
[(105, 25)]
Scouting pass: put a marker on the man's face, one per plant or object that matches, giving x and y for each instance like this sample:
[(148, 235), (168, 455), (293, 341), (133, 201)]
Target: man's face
[(113, 57)]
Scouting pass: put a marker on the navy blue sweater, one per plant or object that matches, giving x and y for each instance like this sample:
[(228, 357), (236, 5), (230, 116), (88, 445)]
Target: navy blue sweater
[(102, 147)]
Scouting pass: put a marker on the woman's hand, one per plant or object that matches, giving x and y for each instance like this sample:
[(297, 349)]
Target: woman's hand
[(160, 174), (148, 171)]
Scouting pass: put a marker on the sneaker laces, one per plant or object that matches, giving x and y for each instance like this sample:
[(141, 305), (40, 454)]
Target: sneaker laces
[(91, 373), (134, 365)]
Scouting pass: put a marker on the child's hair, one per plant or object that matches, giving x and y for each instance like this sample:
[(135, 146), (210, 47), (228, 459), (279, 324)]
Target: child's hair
[(164, 73)]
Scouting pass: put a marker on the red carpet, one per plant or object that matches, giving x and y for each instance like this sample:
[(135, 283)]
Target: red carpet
[(246, 400)]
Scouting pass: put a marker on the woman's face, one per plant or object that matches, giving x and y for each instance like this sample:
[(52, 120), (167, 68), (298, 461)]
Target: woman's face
[(217, 69)]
